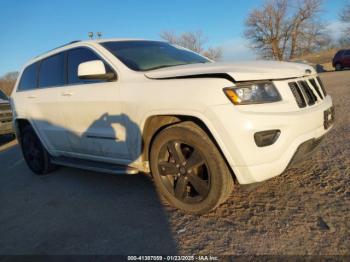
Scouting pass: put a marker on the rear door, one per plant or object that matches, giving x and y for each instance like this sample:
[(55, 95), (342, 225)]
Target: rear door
[(49, 119), (38, 95)]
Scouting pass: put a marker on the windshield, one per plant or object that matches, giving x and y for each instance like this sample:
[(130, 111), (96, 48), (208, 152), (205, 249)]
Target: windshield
[(3, 96), (149, 55)]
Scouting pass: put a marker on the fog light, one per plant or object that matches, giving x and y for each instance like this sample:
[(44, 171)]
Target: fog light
[(266, 138)]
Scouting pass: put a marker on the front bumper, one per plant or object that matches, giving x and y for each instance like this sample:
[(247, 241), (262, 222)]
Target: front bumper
[(304, 151), (235, 131)]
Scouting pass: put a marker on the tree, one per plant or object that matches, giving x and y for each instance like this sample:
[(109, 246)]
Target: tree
[(213, 53), (7, 82), (283, 30), (345, 17), (194, 41), (345, 14), (266, 29)]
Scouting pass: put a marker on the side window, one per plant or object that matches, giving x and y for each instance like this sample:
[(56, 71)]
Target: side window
[(78, 56), (29, 77), (346, 53), (339, 54), (52, 71)]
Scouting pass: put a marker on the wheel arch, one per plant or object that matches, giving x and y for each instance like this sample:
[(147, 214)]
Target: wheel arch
[(20, 124), (154, 124)]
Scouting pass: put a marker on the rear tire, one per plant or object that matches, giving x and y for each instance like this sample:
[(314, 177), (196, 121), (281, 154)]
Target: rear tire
[(188, 169), (338, 67), (34, 153)]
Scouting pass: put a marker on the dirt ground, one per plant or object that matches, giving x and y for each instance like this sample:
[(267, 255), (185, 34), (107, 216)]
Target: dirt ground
[(305, 211)]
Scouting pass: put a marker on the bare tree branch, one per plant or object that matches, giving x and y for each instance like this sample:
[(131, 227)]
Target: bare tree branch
[(278, 30), (194, 41), (213, 53), (345, 14), (7, 82), (345, 17)]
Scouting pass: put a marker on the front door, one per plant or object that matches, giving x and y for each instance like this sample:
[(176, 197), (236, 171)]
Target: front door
[(96, 127)]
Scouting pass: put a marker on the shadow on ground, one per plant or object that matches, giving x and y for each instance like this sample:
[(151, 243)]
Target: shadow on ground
[(79, 212), (4, 139)]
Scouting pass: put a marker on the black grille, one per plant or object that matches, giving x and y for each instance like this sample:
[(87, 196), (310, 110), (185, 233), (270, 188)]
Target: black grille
[(5, 113), (5, 107), (313, 83), (322, 86), (297, 94), (308, 94)]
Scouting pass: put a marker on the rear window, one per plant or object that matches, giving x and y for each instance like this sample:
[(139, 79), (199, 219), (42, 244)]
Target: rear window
[(52, 71), (347, 53), (29, 77), (339, 53)]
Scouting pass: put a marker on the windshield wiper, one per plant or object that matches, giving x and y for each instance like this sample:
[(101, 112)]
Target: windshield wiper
[(162, 66)]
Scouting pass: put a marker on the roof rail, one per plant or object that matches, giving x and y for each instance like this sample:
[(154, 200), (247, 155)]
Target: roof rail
[(72, 42), (75, 41)]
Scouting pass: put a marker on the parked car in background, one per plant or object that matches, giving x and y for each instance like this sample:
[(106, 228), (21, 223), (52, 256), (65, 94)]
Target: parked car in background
[(5, 115), (341, 59), (123, 106)]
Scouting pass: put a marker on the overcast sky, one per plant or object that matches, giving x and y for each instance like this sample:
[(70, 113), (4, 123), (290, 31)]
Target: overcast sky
[(29, 28)]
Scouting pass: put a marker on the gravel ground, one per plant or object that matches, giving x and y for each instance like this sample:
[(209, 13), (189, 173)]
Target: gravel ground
[(305, 211)]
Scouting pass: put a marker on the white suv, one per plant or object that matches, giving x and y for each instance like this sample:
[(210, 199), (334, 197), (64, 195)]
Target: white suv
[(124, 106)]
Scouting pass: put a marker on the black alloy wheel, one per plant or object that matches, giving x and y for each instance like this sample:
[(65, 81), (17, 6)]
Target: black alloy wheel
[(34, 153), (184, 172), (188, 170)]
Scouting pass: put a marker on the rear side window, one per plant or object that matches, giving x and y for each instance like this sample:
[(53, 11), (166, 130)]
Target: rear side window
[(78, 56), (339, 54), (29, 78), (52, 71)]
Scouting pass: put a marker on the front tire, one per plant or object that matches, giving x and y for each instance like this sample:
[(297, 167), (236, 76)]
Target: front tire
[(188, 169), (34, 153)]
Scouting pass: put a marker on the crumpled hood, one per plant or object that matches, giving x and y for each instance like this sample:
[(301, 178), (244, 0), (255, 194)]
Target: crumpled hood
[(239, 71)]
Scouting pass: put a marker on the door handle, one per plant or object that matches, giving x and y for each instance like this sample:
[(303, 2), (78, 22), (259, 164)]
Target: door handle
[(32, 96), (67, 94)]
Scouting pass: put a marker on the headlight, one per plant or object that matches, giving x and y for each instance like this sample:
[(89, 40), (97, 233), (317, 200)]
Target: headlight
[(252, 93)]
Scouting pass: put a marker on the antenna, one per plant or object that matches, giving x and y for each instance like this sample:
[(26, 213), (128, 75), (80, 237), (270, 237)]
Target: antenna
[(91, 35), (99, 34)]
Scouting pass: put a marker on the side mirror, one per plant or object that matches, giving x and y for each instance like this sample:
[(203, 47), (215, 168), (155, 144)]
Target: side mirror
[(94, 70)]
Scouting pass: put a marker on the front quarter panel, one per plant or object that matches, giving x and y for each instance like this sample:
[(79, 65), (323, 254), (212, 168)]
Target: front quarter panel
[(189, 97)]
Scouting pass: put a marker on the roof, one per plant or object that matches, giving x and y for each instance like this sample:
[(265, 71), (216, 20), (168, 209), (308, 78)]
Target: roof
[(77, 43), (100, 40)]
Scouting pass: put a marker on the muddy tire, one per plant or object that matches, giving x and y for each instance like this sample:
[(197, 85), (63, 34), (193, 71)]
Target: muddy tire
[(188, 169)]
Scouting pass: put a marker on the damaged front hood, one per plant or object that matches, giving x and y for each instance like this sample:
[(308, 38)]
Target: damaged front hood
[(239, 71)]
